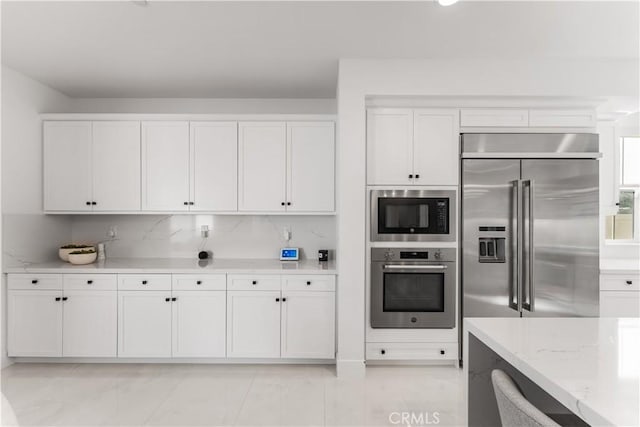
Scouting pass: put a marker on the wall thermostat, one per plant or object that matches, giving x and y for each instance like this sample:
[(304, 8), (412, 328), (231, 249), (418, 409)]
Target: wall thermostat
[(289, 254)]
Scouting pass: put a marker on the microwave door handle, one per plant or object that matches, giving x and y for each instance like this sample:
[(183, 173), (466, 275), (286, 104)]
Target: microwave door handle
[(414, 267)]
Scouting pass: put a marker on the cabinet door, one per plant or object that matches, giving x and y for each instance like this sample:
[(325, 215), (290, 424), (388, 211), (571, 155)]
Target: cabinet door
[(199, 323), (310, 166), (90, 324), (35, 323), (214, 166), (144, 323), (389, 147), (262, 171), (308, 325), (67, 166), (494, 117), (253, 324), (619, 304), (165, 166), (116, 166), (435, 147)]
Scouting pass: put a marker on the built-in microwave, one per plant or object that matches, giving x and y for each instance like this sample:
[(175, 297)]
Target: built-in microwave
[(413, 215)]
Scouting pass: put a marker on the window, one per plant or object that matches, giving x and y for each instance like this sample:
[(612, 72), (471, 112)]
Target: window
[(624, 225)]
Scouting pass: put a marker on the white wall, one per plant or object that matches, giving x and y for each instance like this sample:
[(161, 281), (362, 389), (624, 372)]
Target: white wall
[(28, 235), (480, 77)]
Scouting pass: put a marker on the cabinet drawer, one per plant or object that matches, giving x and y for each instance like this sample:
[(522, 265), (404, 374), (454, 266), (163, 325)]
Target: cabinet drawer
[(494, 117), (610, 282), (310, 283), (143, 282), (412, 351), (203, 282), (241, 282), (35, 281), (619, 304), (102, 282)]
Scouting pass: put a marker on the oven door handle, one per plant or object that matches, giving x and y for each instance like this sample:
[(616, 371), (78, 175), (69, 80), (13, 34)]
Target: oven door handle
[(413, 267)]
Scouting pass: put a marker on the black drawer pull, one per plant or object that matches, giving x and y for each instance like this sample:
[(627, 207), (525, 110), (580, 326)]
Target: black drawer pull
[(144, 282), (34, 282), (58, 298), (288, 203), (411, 176), (199, 282), (186, 203), (88, 203), (167, 299), (442, 352), (417, 176), (383, 351), (284, 299), (282, 204), (65, 298), (174, 299), (94, 203), (308, 282), (89, 282), (629, 282), (277, 299), (255, 282)]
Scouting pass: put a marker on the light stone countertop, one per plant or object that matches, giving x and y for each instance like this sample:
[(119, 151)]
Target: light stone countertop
[(181, 265), (590, 365)]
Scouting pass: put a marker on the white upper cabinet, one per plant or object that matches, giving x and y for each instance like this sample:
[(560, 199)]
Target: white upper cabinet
[(67, 166), (390, 147), (519, 117), (412, 147), (435, 147), (165, 166), (92, 166), (310, 167), (262, 166), (214, 166), (494, 117), (116, 166), (562, 118)]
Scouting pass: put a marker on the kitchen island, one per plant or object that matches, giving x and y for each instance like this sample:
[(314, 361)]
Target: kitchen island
[(587, 367)]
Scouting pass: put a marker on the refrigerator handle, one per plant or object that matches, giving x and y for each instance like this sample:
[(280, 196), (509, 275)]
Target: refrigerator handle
[(529, 304), (516, 263)]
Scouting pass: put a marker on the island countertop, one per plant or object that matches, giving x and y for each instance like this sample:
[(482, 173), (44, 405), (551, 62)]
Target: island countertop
[(590, 365), (180, 266)]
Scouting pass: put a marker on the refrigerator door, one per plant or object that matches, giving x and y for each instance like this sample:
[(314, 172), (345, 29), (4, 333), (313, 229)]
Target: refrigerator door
[(560, 238), (489, 213)]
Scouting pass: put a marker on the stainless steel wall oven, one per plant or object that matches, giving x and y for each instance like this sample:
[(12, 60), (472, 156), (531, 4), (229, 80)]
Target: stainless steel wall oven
[(413, 288)]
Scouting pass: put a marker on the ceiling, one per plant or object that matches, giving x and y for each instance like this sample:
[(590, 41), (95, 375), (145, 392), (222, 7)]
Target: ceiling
[(265, 49)]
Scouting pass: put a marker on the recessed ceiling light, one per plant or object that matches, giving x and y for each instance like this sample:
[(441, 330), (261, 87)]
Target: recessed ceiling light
[(447, 2)]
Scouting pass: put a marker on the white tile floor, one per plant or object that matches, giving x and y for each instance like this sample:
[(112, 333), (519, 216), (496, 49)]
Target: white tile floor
[(224, 395)]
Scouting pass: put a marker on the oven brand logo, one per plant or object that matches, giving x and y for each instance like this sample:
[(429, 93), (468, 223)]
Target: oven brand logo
[(414, 418)]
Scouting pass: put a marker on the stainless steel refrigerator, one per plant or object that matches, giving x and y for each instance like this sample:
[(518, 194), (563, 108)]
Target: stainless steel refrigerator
[(530, 245)]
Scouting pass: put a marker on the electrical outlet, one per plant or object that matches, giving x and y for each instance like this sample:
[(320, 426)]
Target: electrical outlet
[(286, 233), (112, 233), (204, 231)]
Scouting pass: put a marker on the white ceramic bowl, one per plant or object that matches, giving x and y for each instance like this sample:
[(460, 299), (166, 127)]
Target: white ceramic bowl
[(63, 253), (80, 259)]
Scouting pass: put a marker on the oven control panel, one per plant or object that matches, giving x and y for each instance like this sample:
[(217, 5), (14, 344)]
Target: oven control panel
[(417, 255)]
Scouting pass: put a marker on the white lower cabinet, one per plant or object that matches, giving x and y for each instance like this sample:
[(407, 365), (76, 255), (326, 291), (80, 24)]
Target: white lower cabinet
[(144, 323), (35, 323), (308, 325), (253, 324), (619, 295), (199, 323), (90, 323)]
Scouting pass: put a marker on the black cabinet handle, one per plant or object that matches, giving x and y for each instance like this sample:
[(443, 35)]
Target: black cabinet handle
[(308, 282), (282, 204), (288, 203), (417, 176), (383, 351), (34, 282), (58, 298), (65, 298), (410, 176), (88, 203), (199, 282), (629, 282), (174, 299), (94, 203), (284, 299), (144, 282), (89, 282), (167, 299), (277, 299), (190, 203), (186, 203), (442, 352), (255, 282)]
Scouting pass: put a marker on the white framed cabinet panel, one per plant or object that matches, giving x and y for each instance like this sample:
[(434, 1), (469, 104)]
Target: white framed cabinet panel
[(165, 166), (310, 167), (90, 323), (436, 138), (214, 166), (262, 166), (389, 146), (619, 304), (144, 324), (494, 117), (116, 166), (308, 324), (199, 323), (67, 166), (34, 323), (253, 324)]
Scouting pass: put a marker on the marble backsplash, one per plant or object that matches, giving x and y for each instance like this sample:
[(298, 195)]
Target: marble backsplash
[(237, 236)]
